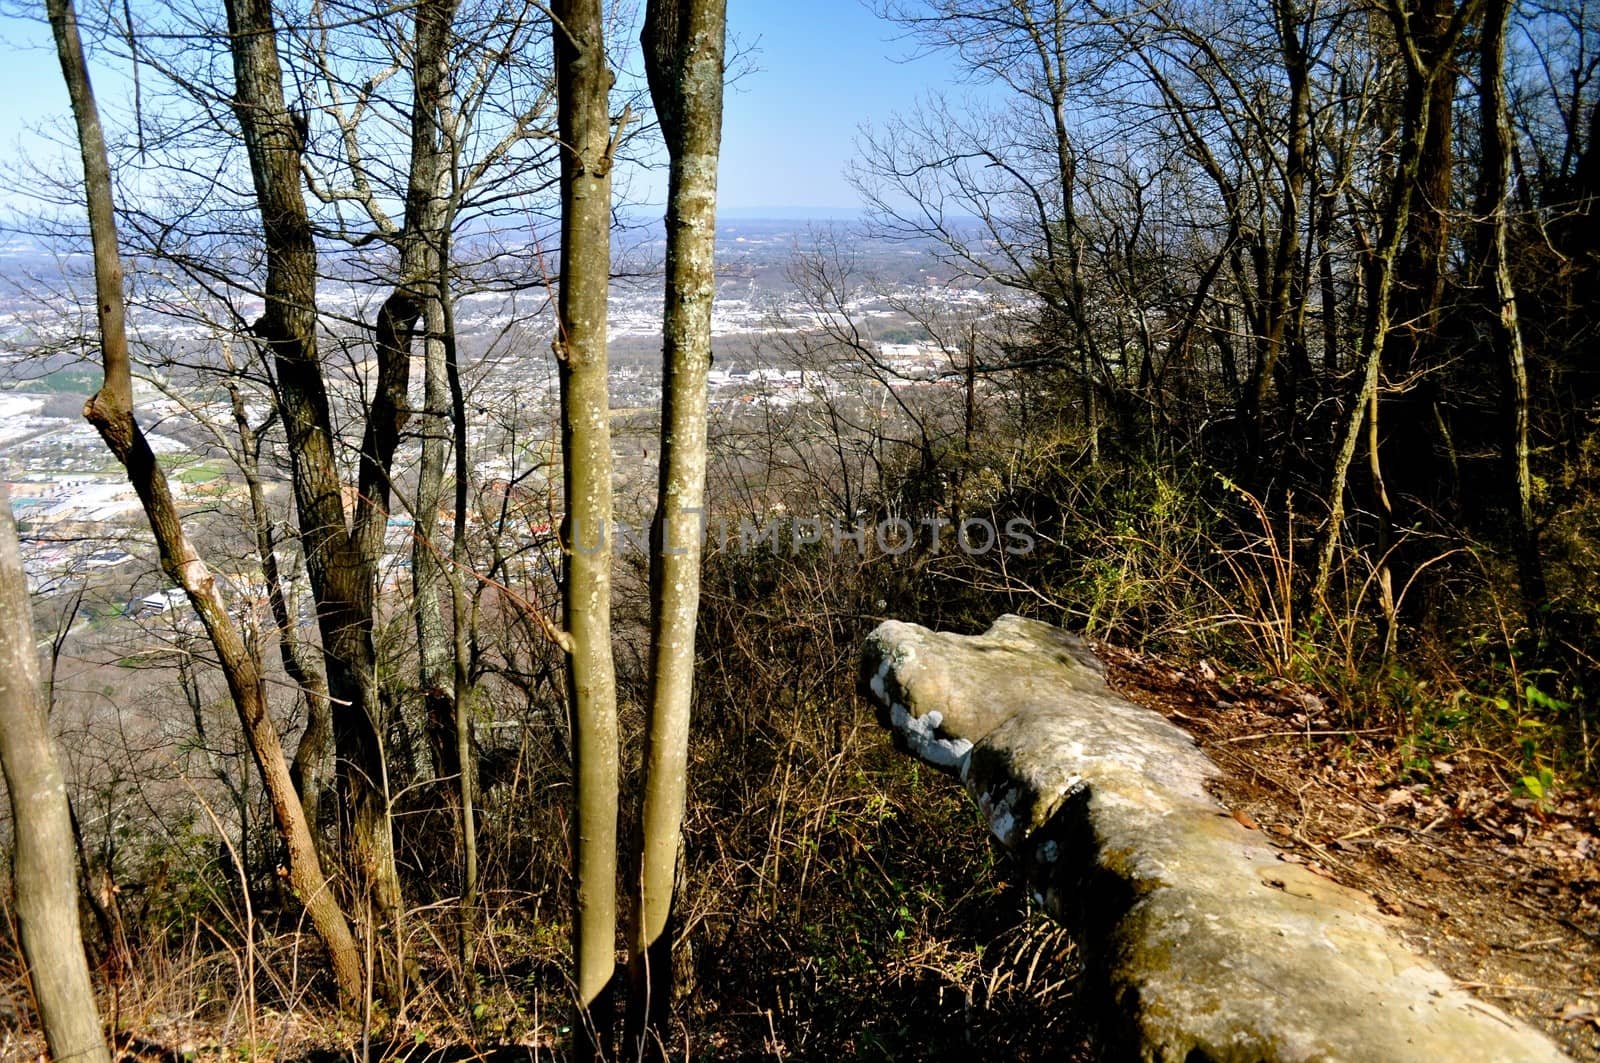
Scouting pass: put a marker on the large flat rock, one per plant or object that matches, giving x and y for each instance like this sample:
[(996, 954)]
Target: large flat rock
[(1210, 945)]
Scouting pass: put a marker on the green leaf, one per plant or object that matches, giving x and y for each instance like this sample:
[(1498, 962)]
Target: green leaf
[(1540, 700)]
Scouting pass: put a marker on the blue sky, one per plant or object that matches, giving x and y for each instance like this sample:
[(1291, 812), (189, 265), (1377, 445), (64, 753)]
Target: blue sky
[(815, 72), (822, 69)]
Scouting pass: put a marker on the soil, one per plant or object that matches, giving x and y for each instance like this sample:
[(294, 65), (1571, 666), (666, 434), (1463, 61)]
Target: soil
[(1501, 891)]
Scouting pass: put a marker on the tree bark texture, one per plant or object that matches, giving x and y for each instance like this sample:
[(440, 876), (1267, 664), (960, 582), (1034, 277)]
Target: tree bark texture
[(44, 871), (583, 84), (683, 44), (463, 620)]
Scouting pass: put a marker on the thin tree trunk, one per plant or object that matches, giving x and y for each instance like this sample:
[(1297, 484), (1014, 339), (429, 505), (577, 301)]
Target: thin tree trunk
[(1279, 308), (969, 395), (583, 84), (1423, 69), (1500, 294), (1364, 402), (462, 622), (421, 241), (44, 871), (341, 576), (427, 568), (1430, 29), (1385, 526), (111, 412), (424, 242), (683, 44), (1349, 440), (415, 298), (100, 890), (312, 767), (443, 663), (1328, 290)]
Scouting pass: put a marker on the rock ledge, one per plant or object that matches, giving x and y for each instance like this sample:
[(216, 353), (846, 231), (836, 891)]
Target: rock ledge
[(1210, 946)]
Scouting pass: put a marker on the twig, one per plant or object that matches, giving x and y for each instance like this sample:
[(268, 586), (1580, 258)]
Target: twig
[(1300, 734)]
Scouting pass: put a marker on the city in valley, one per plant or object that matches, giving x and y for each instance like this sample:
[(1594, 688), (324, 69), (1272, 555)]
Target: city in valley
[(889, 319)]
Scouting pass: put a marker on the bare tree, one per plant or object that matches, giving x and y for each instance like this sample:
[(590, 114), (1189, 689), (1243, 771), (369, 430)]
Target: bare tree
[(44, 870), (1500, 295), (588, 146), (1429, 33), (341, 571), (111, 412), (684, 42), (1425, 65)]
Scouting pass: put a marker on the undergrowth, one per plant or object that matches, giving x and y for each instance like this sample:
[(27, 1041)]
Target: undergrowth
[(1434, 645), (839, 899)]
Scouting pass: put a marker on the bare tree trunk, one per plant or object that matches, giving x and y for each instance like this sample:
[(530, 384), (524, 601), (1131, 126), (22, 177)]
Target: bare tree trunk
[(1279, 308), (111, 412), (1385, 542), (1364, 403), (1428, 27), (1501, 296), (44, 869), (425, 267), (312, 767), (341, 578), (683, 43), (427, 567), (463, 620), (1431, 31), (414, 298), (1328, 290), (583, 85), (1424, 67), (420, 243)]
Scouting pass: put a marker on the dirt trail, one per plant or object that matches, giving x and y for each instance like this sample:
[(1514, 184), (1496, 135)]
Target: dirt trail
[(1501, 893)]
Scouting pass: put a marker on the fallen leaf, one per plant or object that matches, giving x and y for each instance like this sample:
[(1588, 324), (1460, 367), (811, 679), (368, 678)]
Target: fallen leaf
[(1401, 798)]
